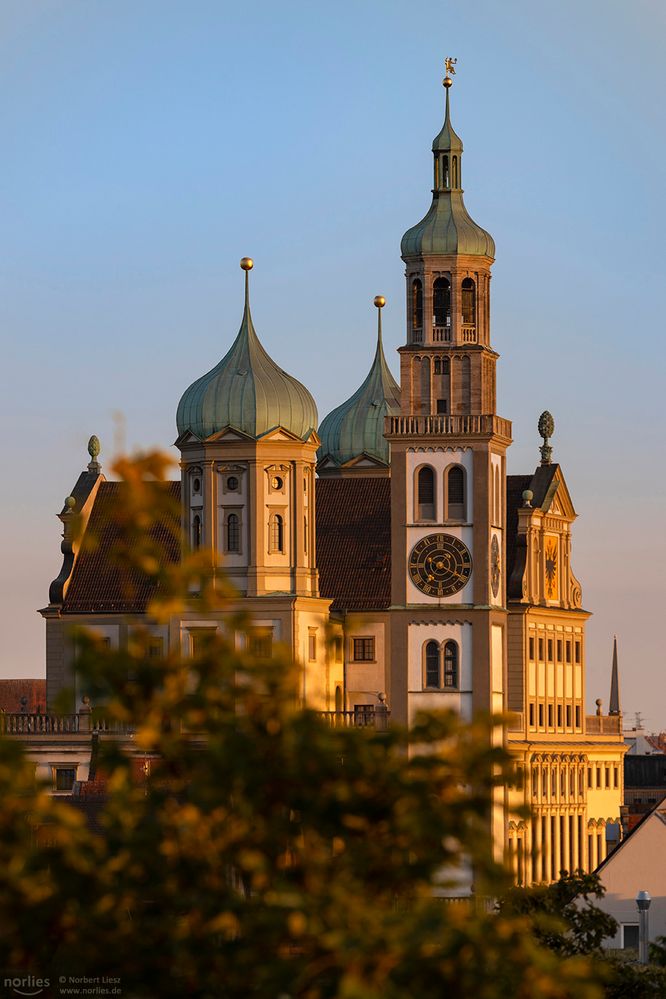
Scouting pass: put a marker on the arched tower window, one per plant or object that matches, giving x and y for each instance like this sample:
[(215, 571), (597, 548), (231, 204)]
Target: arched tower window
[(455, 172), (441, 302), (455, 493), (233, 533), (451, 665), (275, 533), (196, 533), (432, 665), (417, 308), (425, 485), (445, 170), (436, 172), (468, 302)]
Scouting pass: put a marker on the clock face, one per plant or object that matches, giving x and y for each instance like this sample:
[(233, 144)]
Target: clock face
[(495, 566), (440, 565)]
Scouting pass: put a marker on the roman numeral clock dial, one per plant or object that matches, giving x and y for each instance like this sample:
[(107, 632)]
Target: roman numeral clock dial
[(440, 565)]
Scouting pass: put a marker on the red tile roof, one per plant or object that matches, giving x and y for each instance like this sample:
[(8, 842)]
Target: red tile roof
[(99, 582), (354, 542), (12, 693)]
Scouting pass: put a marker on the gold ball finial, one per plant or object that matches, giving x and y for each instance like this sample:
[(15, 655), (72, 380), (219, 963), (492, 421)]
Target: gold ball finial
[(380, 301), (247, 263), (447, 82)]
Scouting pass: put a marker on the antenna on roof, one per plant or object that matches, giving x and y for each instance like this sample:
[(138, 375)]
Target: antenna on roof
[(638, 720)]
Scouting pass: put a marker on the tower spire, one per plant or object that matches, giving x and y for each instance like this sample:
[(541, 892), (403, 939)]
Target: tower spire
[(614, 703)]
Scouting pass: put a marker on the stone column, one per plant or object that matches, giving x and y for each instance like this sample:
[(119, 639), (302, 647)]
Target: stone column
[(557, 849), (538, 844), (593, 855), (566, 846), (575, 846)]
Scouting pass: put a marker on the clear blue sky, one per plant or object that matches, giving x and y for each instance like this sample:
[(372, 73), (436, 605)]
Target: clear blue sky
[(148, 144)]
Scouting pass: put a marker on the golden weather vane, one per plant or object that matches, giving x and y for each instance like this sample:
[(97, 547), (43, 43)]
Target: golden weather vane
[(449, 66)]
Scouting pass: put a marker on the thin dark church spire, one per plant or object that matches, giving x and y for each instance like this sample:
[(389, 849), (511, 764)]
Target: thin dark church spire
[(614, 703)]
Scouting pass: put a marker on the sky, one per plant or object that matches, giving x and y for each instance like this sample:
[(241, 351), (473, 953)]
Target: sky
[(148, 144)]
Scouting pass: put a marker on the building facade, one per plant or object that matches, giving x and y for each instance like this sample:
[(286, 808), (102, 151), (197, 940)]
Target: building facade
[(386, 547)]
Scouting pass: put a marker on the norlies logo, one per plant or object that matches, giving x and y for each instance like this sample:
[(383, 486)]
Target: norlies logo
[(27, 986)]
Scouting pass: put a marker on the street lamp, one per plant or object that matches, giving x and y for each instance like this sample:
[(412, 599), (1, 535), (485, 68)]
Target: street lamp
[(643, 904)]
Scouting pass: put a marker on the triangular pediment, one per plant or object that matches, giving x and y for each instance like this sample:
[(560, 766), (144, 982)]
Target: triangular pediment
[(328, 462), (364, 460), (278, 434), (557, 500), (229, 434), (187, 437)]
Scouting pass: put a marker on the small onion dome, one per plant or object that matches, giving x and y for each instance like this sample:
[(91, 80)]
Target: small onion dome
[(357, 426), (448, 228), (246, 390)]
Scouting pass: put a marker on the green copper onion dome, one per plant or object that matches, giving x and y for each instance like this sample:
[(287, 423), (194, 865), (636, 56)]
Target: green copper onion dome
[(357, 426), (247, 391), (448, 228)]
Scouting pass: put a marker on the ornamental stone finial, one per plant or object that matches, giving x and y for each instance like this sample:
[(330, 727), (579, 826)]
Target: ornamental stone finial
[(94, 448), (546, 430)]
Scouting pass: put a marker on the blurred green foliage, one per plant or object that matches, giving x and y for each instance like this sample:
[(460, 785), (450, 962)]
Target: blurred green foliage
[(264, 853)]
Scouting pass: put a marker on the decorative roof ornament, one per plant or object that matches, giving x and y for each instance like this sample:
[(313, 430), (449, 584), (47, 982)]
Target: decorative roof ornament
[(449, 67), (546, 430), (94, 448)]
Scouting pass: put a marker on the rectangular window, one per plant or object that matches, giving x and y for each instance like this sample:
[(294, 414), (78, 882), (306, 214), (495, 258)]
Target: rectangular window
[(578, 716), (541, 716), (578, 652), (442, 406), (568, 716), (261, 643), (589, 776), (598, 776), (629, 936), (312, 646), (532, 648), (559, 716), (559, 650), (200, 639), (568, 650), (541, 644), (532, 715), (550, 716), (606, 776), (364, 650), (550, 650), (63, 778), (616, 777)]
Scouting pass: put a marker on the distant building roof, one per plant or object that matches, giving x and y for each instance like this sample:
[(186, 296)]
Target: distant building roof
[(26, 695)]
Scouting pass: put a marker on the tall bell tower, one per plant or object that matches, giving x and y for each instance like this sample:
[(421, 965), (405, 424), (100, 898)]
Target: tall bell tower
[(448, 462)]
